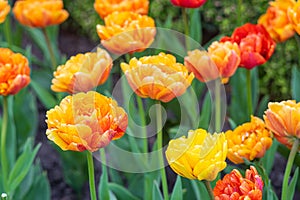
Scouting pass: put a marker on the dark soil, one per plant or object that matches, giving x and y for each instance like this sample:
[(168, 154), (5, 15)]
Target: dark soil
[(71, 44)]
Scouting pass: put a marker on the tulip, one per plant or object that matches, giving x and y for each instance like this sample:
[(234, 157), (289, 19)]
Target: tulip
[(4, 10), (158, 77), (14, 72), (106, 7), (188, 3), (199, 156), (126, 32), (276, 20), (249, 141), (82, 72), (85, 121)]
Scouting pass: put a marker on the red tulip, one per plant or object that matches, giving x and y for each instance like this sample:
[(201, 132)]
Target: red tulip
[(255, 43), (188, 3)]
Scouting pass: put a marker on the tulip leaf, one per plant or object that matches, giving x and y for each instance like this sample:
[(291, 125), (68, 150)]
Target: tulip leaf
[(156, 194), (263, 105), (295, 83), (195, 26), (177, 190), (45, 96), (292, 185), (269, 157), (254, 88), (200, 190), (22, 165), (121, 192), (103, 186), (205, 111)]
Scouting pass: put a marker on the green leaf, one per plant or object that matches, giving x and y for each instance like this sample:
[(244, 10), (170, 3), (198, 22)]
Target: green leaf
[(195, 26), (263, 105), (45, 96), (177, 190), (121, 192), (206, 110), (200, 190), (269, 157), (40, 189), (156, 194), (22, 166), (295, 84), (103, 186), (292, 185)]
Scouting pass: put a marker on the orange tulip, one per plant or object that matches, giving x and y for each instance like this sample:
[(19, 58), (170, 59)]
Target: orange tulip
[(235, 187), (40, 13), (4, 10), (85, 121), (126, 32), (106, 7), (283, 119), (276, 21), (158, 77), (249, 141), (294, 16), (82, 72), (221, 61), (14, 72)]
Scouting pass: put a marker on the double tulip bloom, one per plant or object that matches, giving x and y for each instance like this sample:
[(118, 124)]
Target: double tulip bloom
[(276, 20), (255, 43), (249, 141), (220, 61), (85, 121), (106, 7), (4, 10), (127, 32), (158, 77), (188, 3), (294, 16), (14, 72), (82, 72), (283, 119), (199, 156), (235, 187), (40, 13)]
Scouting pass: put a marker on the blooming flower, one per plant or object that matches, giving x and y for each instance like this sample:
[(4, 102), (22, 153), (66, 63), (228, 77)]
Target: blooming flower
[(14, 72), (255, 43), (294, 16), (40, 13), (126, 32), (158, 77), (106, 7), (276, 21), (4, 10), (199, 156), (188, 3), (82, 72), (250, 141), (235, 187), (283, 119), (221, 61), (85, 121)]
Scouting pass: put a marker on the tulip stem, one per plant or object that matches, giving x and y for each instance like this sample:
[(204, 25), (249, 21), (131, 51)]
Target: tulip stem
[(288, 169), (4, 161), (91, 175), (186, 28), (159, 147), (209, 190), (7, 31), (249, 93), (51, 52), (143, 123), (217, 105)]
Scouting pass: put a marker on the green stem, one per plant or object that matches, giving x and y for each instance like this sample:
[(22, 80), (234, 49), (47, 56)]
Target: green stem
[(91, 175), (240, 13), (51, 52), (159, 147), (209, 190), (7, 31), (217, 105), (4, 161), (143, 123), (186, 28), (288, 169), (249, 93)]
